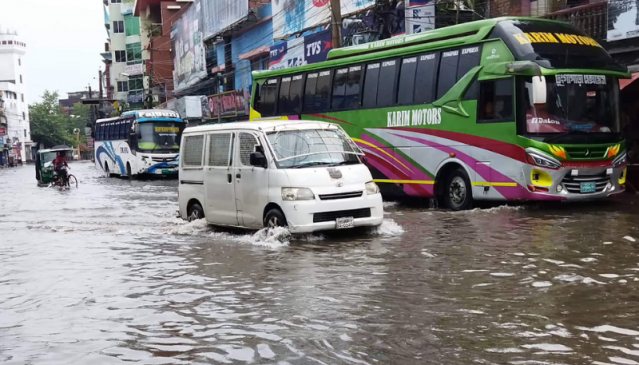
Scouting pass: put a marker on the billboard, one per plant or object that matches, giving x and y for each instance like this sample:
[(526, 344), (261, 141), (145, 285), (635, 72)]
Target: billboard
[(221, 14), (293, 16), (229, 104), (187, 48), (623, 21), (301, 51), (420, 16)]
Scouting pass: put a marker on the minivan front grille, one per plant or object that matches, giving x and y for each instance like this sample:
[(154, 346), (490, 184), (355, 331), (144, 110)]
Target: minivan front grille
[(573, 183), (352, 194), (331, 216)]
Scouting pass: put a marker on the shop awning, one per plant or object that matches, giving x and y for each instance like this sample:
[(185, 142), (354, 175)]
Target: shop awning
[(625, 82), (255, 52)]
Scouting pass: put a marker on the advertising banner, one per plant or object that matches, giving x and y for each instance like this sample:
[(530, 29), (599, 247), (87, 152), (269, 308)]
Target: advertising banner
[(134, 70), (301, 51), (293, 16), (187, 48), (623, 21), (90, 142), (221, 14), (229, 104), (3, 131), (420, 16)]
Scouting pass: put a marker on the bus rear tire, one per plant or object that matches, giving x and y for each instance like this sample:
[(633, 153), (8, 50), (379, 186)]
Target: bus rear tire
[(458, 193), (195, 212)]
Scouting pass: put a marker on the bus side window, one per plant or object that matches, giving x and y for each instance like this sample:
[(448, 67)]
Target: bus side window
[(370, 85), (352, 93), (495, 101), (295, 95), (470, 57), (323, 92), (407, 81), (426, 78), (283, 100), (339, 87), (96, 133), (109, 131), (268, 97), (387, 83), (309, 92), (447, 71)]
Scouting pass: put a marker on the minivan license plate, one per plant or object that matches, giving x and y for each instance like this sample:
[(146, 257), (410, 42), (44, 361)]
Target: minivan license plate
[(346, 222), (587, 187)]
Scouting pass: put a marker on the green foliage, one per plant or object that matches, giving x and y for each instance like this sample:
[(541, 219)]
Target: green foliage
[(51, 127)]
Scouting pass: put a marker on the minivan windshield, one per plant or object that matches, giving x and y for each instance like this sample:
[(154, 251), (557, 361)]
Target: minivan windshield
[(574, 107), (302, 148)]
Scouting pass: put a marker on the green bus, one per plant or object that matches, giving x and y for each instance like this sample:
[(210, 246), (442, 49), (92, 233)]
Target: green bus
[(500, 109)]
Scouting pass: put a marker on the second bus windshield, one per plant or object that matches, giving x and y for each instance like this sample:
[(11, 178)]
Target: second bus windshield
[(159, 136)]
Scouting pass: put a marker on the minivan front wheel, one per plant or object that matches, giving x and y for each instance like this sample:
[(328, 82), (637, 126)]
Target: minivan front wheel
[(275, 218)]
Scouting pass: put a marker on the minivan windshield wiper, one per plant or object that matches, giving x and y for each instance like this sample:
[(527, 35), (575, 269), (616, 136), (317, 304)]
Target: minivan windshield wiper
[(309, 164), (344, 163)]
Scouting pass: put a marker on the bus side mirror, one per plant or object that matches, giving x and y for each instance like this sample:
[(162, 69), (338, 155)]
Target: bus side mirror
[(539, 90), (257, 159)]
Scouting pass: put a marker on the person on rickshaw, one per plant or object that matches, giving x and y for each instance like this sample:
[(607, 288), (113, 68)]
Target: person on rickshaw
[(59, 162)]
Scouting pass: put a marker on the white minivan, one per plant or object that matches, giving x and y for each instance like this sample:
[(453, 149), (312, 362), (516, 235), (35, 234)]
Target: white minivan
[(306, 175)]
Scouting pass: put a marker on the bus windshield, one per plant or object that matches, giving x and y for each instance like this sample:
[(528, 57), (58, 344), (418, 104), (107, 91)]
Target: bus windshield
[(569, 105), (159, 136), (313, 147)]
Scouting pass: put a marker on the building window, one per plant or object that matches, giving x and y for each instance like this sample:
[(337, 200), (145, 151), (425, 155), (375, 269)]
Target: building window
[(22, 97), (116, 1), (10, 42), (136, 83), (24, 116), (118, 26), (134, 53), (25, 132), (19, 62), (123, 86), (120, 56), (20, 78), (131, 25)]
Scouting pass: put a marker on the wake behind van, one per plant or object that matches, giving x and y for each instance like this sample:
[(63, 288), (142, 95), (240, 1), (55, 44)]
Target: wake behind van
[(306, 175)]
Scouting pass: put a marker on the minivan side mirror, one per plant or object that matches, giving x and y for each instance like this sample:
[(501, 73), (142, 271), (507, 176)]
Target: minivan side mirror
[(257, 159)]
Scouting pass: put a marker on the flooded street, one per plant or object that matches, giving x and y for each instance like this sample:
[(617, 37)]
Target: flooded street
[(107, 275)]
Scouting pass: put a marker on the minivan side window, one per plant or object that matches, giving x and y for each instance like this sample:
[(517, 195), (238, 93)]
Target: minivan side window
[(247, 144), (192, 150), (219, 149), (495, 101)]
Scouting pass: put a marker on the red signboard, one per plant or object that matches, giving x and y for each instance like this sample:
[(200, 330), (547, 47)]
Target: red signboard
[(228, 104), (2, 131)]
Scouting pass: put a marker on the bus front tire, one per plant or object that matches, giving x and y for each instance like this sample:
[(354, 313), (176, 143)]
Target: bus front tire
[(195, 212), (274, 218), (458, 194)]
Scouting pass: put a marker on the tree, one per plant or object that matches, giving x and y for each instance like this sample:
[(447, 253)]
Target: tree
[(48, 125)]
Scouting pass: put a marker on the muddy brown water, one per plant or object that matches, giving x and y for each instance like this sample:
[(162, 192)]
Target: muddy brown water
[(107, 275)]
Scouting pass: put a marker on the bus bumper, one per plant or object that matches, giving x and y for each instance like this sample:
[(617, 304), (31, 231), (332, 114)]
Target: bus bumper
[(575, 183)]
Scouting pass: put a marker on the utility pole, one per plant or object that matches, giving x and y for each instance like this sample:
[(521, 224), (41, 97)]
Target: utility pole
[(100, 83), (336, 23)]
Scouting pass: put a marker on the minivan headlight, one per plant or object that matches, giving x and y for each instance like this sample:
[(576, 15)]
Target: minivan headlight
[(291, 194), (621, 159), (372, 188)]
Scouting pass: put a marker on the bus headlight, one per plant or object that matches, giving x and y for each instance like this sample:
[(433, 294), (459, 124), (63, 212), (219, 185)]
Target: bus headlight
[(291, 194), (539, 158), (620, 160), (371, 188)]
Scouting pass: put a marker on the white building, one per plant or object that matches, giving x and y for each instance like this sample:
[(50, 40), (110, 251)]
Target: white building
[(127, 66), (13, 87)]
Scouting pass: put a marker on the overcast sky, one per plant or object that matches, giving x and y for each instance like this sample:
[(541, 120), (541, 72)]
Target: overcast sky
[(64, 40)]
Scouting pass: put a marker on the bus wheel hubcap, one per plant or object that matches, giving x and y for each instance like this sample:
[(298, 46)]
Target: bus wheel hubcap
[(457, 190)]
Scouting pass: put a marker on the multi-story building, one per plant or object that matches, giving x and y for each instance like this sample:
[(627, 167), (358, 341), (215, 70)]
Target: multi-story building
[(126, 69), (14, 127), (66, 105)]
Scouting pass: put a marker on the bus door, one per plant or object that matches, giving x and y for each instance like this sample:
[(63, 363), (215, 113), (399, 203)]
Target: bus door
[(219, 186)]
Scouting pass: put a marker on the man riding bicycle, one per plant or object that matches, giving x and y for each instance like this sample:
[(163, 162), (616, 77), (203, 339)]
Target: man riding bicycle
[(59, 162)]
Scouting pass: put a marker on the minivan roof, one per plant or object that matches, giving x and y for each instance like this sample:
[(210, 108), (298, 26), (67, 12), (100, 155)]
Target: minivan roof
[(257, 125)]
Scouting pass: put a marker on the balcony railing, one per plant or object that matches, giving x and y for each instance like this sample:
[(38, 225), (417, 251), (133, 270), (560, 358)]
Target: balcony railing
[(590, 18)]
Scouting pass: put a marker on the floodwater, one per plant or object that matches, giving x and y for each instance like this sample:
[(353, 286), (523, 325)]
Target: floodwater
[(107, 275)]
